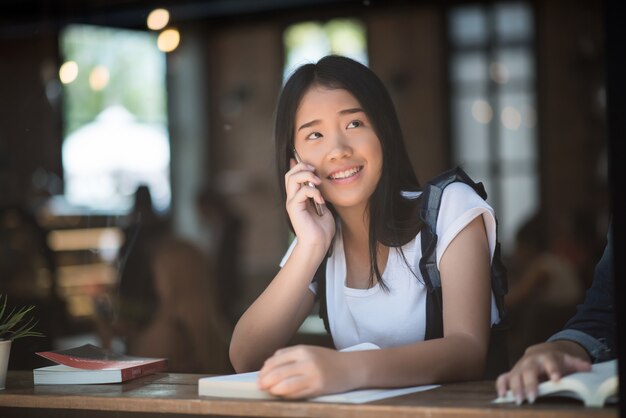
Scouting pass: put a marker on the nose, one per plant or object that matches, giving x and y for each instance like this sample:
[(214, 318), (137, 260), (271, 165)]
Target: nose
[(339, 148)]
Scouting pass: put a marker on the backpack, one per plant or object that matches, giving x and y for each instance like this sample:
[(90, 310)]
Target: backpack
[(497, 356)]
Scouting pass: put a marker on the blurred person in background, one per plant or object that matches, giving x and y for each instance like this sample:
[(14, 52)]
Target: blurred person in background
[(221, 229), (545, 288), (187, 327), (136, 299)]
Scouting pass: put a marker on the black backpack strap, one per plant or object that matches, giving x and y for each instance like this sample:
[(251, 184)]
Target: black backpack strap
[(320, 279), (431, 202)]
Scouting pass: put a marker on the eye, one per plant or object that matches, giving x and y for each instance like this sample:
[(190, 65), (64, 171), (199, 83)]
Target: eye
[(354, 124), (314, 135)]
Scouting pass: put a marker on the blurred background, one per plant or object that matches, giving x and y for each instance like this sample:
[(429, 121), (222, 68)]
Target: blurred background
[(130, 127)]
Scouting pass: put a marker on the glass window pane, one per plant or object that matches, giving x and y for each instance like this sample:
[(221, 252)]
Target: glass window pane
[(347, 37), (115, 131), (470, 119), (309, 41), (513, 21), (469, 67), (520, 201), (479, 172), (304, 42), (512, 64), (468, 25), (517, 132)]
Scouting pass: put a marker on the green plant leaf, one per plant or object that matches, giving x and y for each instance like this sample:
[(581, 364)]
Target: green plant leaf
[(16, 324)]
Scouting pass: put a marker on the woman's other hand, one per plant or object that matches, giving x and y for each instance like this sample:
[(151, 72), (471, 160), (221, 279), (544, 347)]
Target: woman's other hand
[(306, 371)]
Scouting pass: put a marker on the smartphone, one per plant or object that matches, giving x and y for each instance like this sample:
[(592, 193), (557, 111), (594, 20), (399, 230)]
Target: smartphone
[(318, 208)]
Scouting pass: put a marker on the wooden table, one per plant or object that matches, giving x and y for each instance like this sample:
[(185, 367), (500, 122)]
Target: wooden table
[(168, 394)]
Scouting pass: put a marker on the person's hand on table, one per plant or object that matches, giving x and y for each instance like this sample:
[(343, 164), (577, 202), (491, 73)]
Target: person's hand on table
[(305, 371), (550, 360)]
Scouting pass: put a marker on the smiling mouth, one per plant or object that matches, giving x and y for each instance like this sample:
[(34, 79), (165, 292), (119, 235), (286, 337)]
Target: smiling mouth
[(345, 173)]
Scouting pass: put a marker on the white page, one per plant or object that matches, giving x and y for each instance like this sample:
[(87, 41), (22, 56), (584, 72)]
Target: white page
[(246, 382)]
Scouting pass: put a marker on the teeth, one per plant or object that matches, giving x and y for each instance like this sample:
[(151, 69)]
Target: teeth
[(346, 174)]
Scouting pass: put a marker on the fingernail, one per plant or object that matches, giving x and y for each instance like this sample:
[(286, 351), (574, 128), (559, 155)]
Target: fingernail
[(518, 399), (532, 397)]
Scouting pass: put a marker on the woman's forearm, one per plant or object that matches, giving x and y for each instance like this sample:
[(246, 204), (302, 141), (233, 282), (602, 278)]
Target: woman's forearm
[(271, 321), (449, 359)]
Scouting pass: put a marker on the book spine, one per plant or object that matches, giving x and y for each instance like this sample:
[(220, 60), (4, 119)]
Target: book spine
[(143, 370)]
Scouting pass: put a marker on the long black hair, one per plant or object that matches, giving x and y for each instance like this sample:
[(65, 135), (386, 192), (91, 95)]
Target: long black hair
[(393, 219)]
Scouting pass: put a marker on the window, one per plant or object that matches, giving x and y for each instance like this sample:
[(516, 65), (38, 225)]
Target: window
[(115, 139), (493, 106), (115, 132), (309, 41)]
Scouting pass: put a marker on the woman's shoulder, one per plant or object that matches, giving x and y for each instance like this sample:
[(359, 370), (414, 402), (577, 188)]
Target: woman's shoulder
[(460, 204), (461, 195)]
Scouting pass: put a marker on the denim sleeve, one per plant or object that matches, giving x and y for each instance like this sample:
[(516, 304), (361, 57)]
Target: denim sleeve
[(594, 324), (597, 349)]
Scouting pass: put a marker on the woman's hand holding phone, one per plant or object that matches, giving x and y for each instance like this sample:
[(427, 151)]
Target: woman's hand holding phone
[(319, 209), (309, 226)]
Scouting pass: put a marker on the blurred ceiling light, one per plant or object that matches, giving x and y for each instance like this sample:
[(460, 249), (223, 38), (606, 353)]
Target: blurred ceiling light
[(68, 72), (168, 40), (499, 72), (511, 118), (99, 78), (158, 19), (482, 112)]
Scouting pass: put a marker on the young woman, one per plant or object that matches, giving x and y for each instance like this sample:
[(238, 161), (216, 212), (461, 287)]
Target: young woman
[(340, 119)]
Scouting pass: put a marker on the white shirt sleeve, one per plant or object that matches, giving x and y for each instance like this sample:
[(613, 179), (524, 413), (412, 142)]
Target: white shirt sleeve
[(460, 205), (289, 251)]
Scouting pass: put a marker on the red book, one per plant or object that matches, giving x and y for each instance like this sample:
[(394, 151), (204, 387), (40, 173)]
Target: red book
[(90, 364)]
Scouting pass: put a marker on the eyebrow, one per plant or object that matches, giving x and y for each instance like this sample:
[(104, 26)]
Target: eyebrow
[(341, 112)]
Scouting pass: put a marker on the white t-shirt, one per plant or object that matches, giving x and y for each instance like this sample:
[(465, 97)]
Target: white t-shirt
[(398, 316)]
